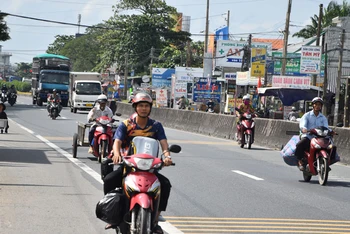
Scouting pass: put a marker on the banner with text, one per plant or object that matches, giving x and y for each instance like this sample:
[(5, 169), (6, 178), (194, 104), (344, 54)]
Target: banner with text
[(310, 62), (297, 82), (258, 62)]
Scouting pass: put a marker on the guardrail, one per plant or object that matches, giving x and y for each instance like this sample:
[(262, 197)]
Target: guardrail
[(268, 132)]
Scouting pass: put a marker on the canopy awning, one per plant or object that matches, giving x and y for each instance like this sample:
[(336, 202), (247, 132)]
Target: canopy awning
[(290, 95)]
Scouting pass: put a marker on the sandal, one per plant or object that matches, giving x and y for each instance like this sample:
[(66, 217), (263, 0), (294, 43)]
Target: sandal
[(109, 226), (157, 229)]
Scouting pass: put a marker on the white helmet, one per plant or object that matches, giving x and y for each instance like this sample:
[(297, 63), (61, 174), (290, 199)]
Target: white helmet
[(246, 97), (102, 98)]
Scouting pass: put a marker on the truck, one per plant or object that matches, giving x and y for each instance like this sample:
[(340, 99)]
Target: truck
[(84, 89), (50, 71)]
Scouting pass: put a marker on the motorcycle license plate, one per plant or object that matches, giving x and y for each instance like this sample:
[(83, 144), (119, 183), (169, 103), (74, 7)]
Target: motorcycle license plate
[(88, 104)]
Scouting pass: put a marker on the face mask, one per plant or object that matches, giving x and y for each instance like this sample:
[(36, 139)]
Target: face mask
[(246, 102)]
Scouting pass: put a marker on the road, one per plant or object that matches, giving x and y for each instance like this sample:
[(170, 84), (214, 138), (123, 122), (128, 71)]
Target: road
[(217, 186)]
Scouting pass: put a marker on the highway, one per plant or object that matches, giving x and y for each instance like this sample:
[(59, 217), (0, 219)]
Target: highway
[(217, 187)]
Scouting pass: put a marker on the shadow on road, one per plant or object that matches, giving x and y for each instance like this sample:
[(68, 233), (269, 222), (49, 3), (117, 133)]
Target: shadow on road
[(22, 156), (330, 183)]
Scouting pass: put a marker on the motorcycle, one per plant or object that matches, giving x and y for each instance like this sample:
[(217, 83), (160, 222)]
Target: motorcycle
[(246, 129), (103, 137), (12, 98), (141, 186), (54, 109), (3, 96), (318, 159)]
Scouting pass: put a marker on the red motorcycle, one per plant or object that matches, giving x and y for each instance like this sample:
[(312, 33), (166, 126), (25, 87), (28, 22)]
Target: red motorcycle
[(245, 129), (103, 137), (141, 186), (318, 159)]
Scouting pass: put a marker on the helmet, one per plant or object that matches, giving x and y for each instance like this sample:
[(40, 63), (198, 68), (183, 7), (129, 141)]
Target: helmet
[(12, 86), (54, 90), (293, 108), (102, 98), (317, 99), (141, 97), (246, 97)]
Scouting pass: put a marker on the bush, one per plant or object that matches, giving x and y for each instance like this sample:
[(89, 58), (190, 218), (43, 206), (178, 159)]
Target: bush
[(20, 86)]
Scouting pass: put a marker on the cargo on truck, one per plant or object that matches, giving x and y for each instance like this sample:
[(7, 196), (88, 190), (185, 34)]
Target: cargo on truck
[(84, 88), (50, 71)]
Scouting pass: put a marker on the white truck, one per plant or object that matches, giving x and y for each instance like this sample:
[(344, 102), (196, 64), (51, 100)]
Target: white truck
[(84, 88)]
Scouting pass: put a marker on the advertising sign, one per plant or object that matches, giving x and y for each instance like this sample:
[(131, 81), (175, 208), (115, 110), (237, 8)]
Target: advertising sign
[(310, 62), (292, 65), (229, 54), (187, 74), (297, 82), (258, 62), (161, 77), (242, 78), (161, 97), (221, 34), (202, 91), (180, 89), (230, 76)]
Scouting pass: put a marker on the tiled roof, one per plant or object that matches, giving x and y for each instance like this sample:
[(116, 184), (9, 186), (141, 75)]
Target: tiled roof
[(276, 43)]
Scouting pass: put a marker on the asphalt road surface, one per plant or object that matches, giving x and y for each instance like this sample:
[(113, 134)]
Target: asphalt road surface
[(217, 187)]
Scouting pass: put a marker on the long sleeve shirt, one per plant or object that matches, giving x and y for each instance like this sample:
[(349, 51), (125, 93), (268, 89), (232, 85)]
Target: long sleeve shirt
[(310, 121)]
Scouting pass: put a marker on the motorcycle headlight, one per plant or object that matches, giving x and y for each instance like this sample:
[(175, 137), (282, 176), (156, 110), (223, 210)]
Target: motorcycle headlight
[(248, 116), (104, 121), (317, 146), (144, 164), (330, 146), (322, 133)]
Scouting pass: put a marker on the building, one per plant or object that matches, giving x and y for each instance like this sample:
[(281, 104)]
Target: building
[(4, 63)]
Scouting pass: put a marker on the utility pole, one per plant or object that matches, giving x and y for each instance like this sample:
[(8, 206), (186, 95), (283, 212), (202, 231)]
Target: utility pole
[(228, 23), (286, 34), (346, 103), (319, 25), (340, 65), (126, 75), (325, 81), (206, 29), (151, 55), (79, 20)]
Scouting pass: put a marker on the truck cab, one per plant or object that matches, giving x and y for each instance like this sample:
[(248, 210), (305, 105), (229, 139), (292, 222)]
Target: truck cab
[(84, 89)]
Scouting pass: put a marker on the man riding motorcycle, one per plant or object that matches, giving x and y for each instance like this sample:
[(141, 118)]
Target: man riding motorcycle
[(310, 120), (293, 115), (54, 96), (99, 110), (12, 89), (139, 125), (4, 88), (243, 108), (210, 105)]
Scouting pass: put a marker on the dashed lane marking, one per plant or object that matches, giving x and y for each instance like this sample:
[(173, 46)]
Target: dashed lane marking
[(247, 175)]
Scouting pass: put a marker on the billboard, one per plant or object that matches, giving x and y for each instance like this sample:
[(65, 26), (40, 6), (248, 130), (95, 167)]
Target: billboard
[(203, 91), (296, 82), (310, 61), (222, 34), (258, 62), (161, 77)]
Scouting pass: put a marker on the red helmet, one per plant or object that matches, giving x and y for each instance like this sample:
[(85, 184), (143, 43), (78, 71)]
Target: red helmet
[(141, 97)]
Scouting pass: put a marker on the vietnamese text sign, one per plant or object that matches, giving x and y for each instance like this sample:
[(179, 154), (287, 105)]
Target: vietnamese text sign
[(203, 91), (297, 82), (242, 78), (161, 77), (161, 97), (310, 62), (292, 65), (180, 89), (258, 62)]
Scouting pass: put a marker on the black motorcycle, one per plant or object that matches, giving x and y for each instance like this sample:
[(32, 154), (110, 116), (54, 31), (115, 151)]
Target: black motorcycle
[(54, 109), (12, 98), (3, 96)]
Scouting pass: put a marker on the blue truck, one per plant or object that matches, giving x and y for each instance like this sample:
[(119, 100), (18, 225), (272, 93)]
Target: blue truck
[(50, 71)]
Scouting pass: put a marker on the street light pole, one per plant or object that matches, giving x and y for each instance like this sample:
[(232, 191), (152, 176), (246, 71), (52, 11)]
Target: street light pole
[(286, 34), (206, 29)]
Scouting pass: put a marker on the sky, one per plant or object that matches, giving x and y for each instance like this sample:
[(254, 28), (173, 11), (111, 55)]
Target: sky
[(267, 17)]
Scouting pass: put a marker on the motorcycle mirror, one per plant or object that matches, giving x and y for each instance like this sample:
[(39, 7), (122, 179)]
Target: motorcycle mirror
[(118, 114), (174, 148)]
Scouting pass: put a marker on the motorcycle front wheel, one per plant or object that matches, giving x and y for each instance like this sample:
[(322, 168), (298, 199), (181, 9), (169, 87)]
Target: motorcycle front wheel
[(248, 140), (104, 149), (323, 173), (143, 221)]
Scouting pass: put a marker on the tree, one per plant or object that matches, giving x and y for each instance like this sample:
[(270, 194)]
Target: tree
[(23, 69), (59, 43), (333, 10), (136, 34), (4, 30)]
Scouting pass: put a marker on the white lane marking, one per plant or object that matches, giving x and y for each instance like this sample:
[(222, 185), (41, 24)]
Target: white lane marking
[(63, 117), (247, 175), (166, 226)]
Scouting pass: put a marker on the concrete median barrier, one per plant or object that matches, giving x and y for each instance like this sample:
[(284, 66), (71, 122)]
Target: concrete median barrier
[(269, 133)]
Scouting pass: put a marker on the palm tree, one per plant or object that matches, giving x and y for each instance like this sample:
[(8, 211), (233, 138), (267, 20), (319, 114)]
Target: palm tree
[(333, 10)]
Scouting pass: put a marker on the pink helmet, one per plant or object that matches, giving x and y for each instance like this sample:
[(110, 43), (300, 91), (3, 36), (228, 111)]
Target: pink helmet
[(141, 97)]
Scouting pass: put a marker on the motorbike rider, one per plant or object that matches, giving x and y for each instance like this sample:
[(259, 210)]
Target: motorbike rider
[(310, 120), (139, 124), (12, 89), (182, 102), (3, 115), (101, 109), (243, 108), (4, 88), (210, 105), (293, 115), (54, 96)]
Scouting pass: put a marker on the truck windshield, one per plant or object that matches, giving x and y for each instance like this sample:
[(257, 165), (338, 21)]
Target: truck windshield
[(88, 88), (55, 78)]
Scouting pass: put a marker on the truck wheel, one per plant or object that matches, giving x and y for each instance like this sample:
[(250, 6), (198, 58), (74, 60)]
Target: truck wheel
[(39, 102), (34, 101)]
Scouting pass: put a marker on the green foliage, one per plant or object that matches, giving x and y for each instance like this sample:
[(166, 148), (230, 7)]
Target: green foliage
[(333, 10), (20, 86), (4, 30), (59, 43), (23, 70)]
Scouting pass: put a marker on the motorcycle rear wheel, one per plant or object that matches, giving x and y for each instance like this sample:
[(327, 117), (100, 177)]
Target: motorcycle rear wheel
[(323, 173)]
